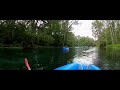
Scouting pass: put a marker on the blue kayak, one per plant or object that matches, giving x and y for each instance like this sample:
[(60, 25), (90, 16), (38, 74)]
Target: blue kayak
[(76, 66), (65, 48)]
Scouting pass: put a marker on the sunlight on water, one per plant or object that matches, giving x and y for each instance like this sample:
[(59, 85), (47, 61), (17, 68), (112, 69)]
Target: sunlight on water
[(88, 58)]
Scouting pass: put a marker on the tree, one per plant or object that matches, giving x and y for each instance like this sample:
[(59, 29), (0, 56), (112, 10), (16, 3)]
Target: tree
[(30, 33), (106, 31)]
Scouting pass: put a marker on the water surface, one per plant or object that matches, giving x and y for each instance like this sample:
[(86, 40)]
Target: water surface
[(51, 58)]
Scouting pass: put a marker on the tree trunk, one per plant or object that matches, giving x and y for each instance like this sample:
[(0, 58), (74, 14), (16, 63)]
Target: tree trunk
[(63, 39), (111, 35)]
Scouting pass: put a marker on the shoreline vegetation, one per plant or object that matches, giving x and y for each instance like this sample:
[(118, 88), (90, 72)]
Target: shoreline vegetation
[(115, 46), (36, 47), (40, 33), (107, 33)]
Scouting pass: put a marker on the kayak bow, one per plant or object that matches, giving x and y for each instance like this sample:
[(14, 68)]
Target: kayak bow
[(76, 66)]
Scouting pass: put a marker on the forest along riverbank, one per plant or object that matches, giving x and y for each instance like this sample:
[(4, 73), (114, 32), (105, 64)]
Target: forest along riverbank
[(87, 57)]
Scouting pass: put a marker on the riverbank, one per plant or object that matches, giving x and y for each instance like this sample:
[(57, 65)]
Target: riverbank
[(44, 47), (13, 47), (28, 47), (115, 46), (35, 47)]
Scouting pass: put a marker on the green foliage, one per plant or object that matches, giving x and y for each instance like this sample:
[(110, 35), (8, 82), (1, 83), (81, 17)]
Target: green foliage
[(1, 45), (107, 32), (115, 46), (85, 41), (30, 33), (16, 44)]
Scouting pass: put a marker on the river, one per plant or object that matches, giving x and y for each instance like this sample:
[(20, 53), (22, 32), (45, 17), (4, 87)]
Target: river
[(51, 58)]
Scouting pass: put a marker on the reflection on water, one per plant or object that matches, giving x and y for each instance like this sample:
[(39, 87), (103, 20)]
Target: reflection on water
[(86, 57), (51, 58), (109, 58)]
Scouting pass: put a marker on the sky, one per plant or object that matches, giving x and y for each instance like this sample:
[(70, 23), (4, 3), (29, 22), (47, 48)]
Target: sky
[(83, 29)]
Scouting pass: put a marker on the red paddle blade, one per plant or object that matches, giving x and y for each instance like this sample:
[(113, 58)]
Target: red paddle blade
[(27, 65)]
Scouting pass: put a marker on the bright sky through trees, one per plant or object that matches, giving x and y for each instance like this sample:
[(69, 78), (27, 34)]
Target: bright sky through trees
[(83, 28)]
